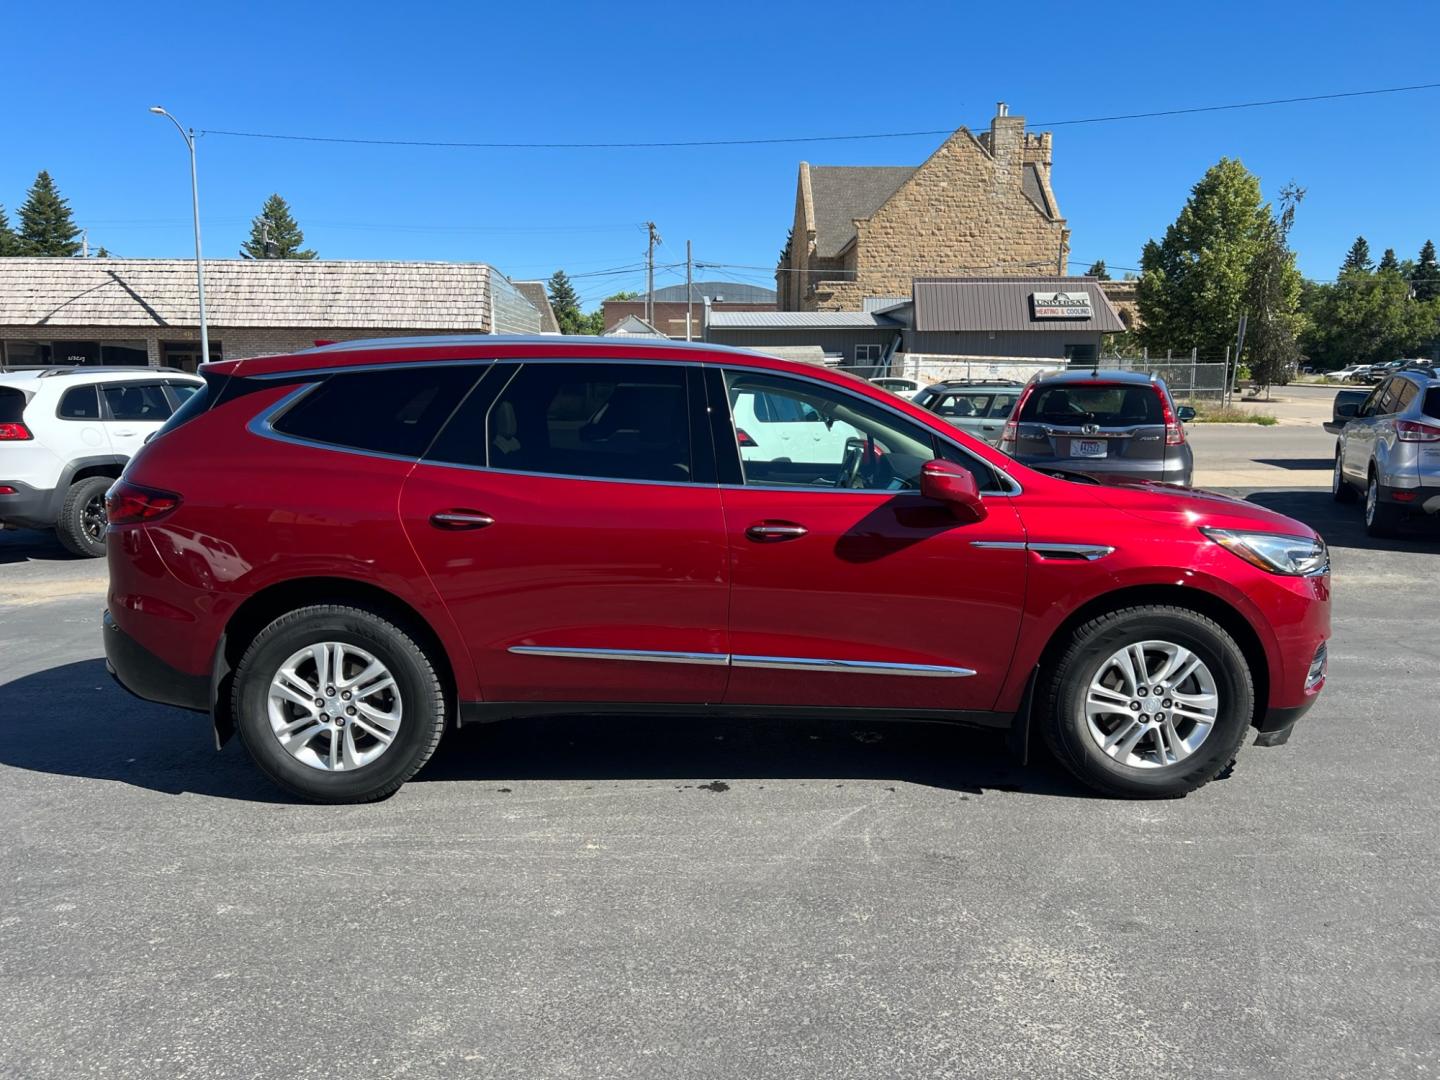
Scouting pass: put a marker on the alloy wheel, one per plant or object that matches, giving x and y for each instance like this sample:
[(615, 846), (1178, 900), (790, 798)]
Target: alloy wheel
[(92, 518), (1372, 500), (1151, 704), (334, 707)]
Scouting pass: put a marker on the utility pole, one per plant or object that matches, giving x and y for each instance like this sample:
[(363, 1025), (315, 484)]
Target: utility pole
[(650, 272), (689, 292)]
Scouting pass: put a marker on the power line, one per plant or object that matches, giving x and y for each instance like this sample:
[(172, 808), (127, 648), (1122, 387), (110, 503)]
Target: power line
[(675, 144)]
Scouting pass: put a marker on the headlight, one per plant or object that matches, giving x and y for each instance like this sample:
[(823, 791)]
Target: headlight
[(1276, 554)]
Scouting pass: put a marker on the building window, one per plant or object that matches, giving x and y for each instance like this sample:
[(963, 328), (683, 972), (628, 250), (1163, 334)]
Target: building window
[(125, 353), (26, 353), (185, 355), (867, 354), (1080, 354)]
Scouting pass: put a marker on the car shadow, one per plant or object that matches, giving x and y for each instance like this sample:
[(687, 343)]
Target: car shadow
[(1343, 525), (33, 545), (73, 720)]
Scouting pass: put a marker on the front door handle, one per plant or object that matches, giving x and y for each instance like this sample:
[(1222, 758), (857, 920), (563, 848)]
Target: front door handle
[(770, 532), (458, 520)]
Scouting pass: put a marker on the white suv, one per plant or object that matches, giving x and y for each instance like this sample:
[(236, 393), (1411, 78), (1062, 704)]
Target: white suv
[(65, 434)]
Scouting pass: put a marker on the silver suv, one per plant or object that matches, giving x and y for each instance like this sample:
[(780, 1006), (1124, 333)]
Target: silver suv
[(1107, 424), (979, 407), (1390, 449)]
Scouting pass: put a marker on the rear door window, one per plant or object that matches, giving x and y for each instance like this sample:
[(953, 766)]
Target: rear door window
[(963, 405), (144, 403), (1105, 404), (397, 412), (80, 403), (1002, 405)]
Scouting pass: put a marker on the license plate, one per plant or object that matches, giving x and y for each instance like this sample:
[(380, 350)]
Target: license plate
[(1087, 447)]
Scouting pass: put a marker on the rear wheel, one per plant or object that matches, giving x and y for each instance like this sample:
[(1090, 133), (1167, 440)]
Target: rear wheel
[(81, 526), (1340, 491), (1149, 702), (1381, 518), (337, 704)]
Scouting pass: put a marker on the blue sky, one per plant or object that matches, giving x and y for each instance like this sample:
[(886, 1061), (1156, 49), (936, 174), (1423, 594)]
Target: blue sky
[(77, 94)]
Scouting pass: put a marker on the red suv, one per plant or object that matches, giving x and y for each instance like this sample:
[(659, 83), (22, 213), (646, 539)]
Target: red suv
[(342, 552)]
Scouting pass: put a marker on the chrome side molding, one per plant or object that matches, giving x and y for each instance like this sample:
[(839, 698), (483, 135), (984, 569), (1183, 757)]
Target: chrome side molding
[(1052, 551), (779, 663)]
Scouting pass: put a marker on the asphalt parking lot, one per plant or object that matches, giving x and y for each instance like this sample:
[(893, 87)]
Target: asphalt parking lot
[(650, 898)]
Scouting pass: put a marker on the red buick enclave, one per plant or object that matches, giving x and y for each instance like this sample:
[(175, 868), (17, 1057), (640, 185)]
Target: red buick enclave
[(342, 552)]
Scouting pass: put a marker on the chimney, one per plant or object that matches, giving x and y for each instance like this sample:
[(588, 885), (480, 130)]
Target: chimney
[(1001, 109), (1007, 137)]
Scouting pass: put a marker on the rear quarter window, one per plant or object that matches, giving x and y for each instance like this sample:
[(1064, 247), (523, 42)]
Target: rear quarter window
[(1107, 404), (80, 403), (12, 405), (386, 412), (1432, 402)]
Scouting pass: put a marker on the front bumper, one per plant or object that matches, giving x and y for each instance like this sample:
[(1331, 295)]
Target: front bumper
[(146, 676)]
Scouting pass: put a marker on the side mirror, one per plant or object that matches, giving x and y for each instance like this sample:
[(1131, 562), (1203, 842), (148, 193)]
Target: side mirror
[(954, 485), (1347, 410), (1185, 414)]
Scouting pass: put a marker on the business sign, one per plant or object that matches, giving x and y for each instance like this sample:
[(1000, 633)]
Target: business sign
[(1061, 305)]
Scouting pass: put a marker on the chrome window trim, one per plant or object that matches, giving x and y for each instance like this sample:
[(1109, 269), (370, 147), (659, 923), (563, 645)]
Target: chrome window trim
[(337, 369), (779, 663), (884, 407)]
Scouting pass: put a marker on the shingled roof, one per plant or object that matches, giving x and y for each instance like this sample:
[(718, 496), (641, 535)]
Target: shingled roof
[(534, 291), (843, 193), (259, 293)]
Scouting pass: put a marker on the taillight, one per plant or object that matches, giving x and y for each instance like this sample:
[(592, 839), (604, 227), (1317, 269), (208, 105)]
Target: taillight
[(1409, 431), (14, 432), (1174, 431), (128, 504), (744, 438), (1011, 431)]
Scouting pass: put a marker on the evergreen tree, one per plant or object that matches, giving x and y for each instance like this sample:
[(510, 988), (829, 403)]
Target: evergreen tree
[(1097, 270), (566, 303), (1358, 257), (46, 227), (1193, 280), (274, 234), (1425, 278), (1388, 261), (103, 253), (1272, 299), (9, 242)]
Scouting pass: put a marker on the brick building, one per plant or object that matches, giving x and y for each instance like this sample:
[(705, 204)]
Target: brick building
[(144, 311), (980, 204), (671, 309)]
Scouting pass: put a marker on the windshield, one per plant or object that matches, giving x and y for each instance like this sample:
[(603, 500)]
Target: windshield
[(1108, 404)]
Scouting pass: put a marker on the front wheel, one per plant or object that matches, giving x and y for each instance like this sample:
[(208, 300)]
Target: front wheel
[(1149, 702), (337, 704)]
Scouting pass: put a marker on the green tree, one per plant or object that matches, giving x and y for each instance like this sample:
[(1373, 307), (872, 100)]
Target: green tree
[(103, 253), (274, 234), (785, 251), (1366, 319), (46, 227), (1358, 257), (1425, 277), (1097, 270), (1388, 261), (566, 303), (1272, 299), (9, 242), (624, 294), (1193, 280)]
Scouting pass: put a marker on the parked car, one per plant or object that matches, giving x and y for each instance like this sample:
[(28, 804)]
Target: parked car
[(1389, 448), (906, 388), (65, 434), (1119, 424), (343, 552), (978, 407), (1344, 374)]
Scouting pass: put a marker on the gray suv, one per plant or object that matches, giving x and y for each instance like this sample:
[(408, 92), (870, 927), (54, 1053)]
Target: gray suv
[(1107, 424), (978, 407), (1390, 449)]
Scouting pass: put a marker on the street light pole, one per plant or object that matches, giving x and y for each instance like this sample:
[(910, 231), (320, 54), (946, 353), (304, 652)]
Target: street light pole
[(189, 137)]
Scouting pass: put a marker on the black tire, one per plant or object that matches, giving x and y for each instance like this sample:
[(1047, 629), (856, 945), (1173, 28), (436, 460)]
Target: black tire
[(1381, 518), (418, 688), (1064, 721), (78, 527), (1340, 491)]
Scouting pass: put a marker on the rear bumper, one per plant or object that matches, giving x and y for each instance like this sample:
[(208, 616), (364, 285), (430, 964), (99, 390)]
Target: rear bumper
[(29, 507), (1420, 498), (146, 676), (1175, 470)]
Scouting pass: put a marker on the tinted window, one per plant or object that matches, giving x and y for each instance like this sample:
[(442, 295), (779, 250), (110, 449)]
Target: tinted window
[(1432, 402), (192, 406), (1002, 404), (1107, 404), (387, 412), (854, 444), (606, 421), (142, 402), (1405, 394), (960, 405), (80, 403), (12, 405)]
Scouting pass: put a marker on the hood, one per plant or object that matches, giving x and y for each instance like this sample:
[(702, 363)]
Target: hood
[(1170, 504)]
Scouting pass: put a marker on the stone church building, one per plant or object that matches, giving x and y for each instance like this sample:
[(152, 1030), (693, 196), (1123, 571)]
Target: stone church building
[(979, 205)]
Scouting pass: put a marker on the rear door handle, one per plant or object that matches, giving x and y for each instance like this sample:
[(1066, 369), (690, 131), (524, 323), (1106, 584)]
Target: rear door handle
[(769, 532), (459, 520), (123, 431)]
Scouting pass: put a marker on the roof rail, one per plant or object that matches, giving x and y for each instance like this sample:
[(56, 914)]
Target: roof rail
[(71, 369)]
